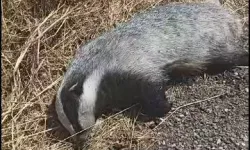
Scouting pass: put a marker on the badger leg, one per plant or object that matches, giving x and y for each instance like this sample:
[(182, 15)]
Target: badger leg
[(211, 65), (184, 68), (226, 62), (154, 101)]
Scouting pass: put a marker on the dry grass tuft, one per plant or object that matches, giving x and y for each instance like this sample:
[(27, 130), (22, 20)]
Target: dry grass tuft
[(39, 39)]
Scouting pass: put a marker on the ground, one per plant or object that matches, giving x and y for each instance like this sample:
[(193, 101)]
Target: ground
[(220, 123), (41, 37)]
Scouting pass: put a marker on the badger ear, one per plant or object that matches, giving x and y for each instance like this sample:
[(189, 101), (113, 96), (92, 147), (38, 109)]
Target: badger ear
[(73, 87), (76, 88)]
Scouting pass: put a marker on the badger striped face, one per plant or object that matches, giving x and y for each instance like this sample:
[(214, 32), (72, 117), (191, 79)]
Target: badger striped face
[(76, 102)]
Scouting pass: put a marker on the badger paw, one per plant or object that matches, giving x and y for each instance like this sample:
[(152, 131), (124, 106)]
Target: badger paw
[(157, 107)]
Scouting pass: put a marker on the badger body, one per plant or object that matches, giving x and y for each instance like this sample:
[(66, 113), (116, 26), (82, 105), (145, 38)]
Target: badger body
[(133, 62)]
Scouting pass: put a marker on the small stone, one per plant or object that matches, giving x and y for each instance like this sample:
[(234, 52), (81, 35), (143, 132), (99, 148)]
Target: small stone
[(215, 126), (232, 139), (218, 141), (196, 143), (236, 73), (234, 82), (226, 110), (196, 135), (245, 138), (163, 143), (209, 110), (216, 120), (247, 90), (243, 144)]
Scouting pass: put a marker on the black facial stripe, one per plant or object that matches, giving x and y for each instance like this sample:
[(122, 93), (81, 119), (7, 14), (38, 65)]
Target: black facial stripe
[(70, 102), (70, 106)]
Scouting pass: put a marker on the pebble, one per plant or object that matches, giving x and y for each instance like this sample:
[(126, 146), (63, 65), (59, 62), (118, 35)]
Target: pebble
[(234, 82), (215, 126), (196, 142), (245, 138), (233, 140), (226, 110), (218, 141), (196, 135), (247, 90), (216, 120)]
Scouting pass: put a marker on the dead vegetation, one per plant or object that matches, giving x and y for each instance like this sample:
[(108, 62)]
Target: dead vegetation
[(39, 39)]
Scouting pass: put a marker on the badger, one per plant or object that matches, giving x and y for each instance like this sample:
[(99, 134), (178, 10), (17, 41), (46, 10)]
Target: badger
[(133, 62)]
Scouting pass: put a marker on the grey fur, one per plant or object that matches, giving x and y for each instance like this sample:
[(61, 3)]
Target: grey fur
[(216, 2), (167, 40)]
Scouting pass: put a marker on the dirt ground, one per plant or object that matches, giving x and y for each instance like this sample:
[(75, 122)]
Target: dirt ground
[(39, 40), (221, 123)]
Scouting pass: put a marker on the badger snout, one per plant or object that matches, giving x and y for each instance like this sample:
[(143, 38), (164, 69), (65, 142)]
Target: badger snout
[(86, 121)]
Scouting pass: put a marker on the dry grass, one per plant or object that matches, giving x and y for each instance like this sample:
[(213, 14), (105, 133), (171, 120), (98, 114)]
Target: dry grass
[(39, 39)]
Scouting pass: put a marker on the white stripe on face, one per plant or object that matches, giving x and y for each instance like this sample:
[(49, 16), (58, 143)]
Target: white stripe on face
[(90, 89), (86, 116)]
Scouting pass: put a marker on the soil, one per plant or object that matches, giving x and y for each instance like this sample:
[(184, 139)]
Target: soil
[(221, 123)]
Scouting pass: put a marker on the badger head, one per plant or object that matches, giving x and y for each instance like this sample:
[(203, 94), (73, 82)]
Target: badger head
[(76, 100)]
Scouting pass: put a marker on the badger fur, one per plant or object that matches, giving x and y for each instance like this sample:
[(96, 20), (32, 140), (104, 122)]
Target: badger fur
[(133, 62)]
